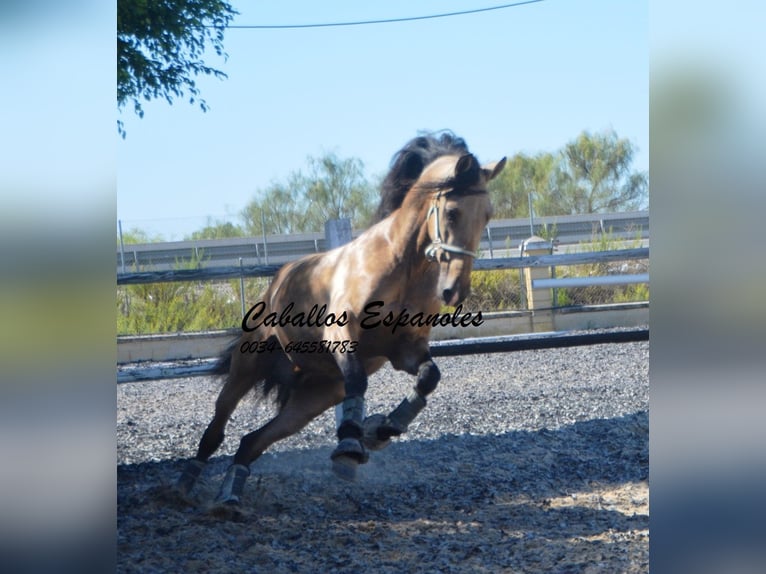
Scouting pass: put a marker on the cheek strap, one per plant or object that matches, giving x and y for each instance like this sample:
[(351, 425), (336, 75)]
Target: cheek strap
[(437, 244)]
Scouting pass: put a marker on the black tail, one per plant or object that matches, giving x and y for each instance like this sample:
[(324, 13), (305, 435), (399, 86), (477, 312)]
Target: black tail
[(223, 364), (274, 377)]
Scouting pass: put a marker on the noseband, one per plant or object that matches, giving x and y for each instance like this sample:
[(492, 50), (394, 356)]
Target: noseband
[(437, 243)]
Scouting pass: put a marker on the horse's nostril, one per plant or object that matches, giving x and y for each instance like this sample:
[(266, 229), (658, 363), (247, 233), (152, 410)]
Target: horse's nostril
[(447, 296)]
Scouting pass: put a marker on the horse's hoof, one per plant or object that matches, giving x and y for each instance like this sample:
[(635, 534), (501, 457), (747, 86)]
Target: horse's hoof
[(344, 467), (176, 497), (370, 432), (352, 448), (172, 496), (189, 477), (346, 457), (231, 500), (228, 510), (183, 488)]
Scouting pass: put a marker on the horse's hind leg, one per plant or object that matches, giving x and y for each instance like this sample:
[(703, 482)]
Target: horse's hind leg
[(307, 400), (242, 377)]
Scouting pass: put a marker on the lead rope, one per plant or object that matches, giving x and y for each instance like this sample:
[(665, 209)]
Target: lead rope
[(437, 243)]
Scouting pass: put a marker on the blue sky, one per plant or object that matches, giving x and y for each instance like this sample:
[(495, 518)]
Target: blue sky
[(522, 79)]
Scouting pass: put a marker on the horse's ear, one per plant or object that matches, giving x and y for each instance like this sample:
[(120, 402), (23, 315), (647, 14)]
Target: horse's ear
[(467, 169), (492, 170)]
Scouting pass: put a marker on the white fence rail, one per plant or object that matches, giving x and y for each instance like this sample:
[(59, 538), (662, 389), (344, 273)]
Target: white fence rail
[(603, 280), (541, 315), (236, 271)]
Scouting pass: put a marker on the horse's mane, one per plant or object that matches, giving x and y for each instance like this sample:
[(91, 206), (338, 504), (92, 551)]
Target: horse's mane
[(409, 162)]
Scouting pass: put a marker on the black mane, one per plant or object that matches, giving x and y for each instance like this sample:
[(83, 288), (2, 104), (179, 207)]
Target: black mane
[(409, 162)]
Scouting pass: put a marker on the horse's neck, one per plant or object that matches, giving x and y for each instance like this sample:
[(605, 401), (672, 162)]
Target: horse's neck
[(408, 233), (414, 280)]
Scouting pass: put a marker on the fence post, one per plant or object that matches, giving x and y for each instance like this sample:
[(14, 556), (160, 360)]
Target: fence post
[(337, 232), (263, 232), (539, 301), (242, 287), (122, 246), (489, 240)]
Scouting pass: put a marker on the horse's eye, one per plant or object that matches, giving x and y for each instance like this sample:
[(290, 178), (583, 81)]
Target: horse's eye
[(452, 215)]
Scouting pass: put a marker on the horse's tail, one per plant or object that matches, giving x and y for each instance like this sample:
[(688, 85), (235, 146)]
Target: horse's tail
[(272, 375), (223, 363)]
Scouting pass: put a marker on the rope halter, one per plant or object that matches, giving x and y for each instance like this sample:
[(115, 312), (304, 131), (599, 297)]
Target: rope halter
[(437, 244)]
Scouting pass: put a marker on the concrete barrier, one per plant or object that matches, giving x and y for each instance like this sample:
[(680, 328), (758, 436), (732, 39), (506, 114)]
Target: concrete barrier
[(183, 346)]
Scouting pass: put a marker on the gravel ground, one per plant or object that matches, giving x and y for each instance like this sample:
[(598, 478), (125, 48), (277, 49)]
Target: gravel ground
[(534, 461)]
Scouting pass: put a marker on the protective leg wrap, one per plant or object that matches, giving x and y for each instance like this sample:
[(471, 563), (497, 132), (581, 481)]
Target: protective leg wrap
[(399, 419), (405, 413), (189, 476), (350, 452), (370, 428), (351, 422), (233, 484), (353, 410), (349, 429)]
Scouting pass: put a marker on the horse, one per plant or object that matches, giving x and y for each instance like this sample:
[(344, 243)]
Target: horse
[(330, 320)]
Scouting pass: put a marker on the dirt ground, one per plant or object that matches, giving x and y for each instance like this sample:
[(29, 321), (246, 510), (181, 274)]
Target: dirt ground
[(534, 461)]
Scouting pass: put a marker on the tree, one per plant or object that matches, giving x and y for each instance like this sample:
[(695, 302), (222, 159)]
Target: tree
[(590, 174), (217, 230), (160, 44), (136, 236), (279, 208), (336, 188), (524, 175), (333, 188), (597, 176)]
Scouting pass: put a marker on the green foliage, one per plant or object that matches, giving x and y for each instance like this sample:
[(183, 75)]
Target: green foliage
[(217, 230), (598, 177), (496, 290), (160, 47), (523, 175), (590, 174), (548, 232), (336, 188), (181, 307), (333, 188), (277, 210), (168, 308), (631, 293), (136, 235)]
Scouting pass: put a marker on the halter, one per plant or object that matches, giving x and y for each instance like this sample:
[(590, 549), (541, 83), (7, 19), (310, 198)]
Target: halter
[(437, 243)]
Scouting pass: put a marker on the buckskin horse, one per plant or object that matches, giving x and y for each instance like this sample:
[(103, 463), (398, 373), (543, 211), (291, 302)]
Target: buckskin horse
[(329, 320)]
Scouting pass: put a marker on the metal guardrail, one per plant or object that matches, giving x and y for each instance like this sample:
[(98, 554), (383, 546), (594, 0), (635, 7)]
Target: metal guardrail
[(278, 249), (234, 272)]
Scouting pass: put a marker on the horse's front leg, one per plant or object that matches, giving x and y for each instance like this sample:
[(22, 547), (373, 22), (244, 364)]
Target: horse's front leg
[(350, 451), (379, 429)]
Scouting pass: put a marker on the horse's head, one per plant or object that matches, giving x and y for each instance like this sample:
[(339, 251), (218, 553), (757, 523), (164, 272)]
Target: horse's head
[(459, 211)]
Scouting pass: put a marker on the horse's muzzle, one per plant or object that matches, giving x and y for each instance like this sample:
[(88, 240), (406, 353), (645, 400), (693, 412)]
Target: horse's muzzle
[(452, 297)]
